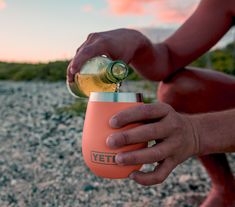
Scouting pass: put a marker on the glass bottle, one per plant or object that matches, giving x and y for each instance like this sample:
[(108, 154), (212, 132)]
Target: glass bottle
[(99, 74)]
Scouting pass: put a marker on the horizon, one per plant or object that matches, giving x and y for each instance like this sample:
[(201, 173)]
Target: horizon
[(41, 32)]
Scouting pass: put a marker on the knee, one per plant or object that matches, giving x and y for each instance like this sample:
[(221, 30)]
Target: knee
[(179, 90), (196, 91)]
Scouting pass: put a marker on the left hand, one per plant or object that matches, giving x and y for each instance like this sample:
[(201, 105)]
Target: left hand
[(176, 132)]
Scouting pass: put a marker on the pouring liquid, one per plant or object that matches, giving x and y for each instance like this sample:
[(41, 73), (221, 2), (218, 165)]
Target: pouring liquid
[(118, 85)]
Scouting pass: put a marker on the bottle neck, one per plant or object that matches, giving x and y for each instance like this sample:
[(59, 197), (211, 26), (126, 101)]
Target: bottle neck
[(115, 72)]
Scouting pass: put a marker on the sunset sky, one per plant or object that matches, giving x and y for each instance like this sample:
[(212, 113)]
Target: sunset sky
[(45, 30)]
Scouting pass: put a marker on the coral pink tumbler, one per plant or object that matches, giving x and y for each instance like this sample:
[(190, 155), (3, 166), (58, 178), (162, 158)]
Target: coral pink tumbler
[(97, 155)]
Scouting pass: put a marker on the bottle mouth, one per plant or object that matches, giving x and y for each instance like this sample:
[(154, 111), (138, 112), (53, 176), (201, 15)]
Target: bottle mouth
[(127, 97), (117, 71)]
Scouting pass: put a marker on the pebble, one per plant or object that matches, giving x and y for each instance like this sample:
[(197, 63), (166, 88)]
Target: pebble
[(41, 162)]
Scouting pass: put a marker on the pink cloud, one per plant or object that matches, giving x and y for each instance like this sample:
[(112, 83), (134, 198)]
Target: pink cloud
[(2, 4), (166, 11), (87, 8), (133, 7)]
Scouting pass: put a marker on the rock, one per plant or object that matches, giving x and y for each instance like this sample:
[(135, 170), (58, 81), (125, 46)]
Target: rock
[(41, 161)]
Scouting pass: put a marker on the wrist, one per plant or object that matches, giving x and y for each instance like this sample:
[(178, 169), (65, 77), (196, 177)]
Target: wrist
[(194, 134), (202, 132), (151, 60)]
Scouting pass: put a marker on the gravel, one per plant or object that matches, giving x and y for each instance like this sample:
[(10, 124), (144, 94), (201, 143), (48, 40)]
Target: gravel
[(41, 162)]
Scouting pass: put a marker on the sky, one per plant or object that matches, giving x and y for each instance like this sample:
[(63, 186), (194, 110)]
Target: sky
[(42, 31)]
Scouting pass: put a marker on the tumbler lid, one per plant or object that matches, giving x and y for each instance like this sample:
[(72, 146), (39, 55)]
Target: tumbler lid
[(115, 97)]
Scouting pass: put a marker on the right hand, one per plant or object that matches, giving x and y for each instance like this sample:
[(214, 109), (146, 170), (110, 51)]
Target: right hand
[(127, 45)]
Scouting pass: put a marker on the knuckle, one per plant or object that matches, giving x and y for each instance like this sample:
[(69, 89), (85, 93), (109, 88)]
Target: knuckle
[(153, 130), (124, 138), (168, 108), (177, 143), (176, 124), (86, 50), (102, 44), (163, 105), (146, 109), (134, 158), (158, 154), (93, 36), (131, 158)]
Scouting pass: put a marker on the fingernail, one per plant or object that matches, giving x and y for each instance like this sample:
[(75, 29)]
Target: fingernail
[(113, 122), (119, 158), (110, 142)]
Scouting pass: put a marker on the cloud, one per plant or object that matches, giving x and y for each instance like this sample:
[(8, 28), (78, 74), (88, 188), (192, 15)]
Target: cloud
[(87, 8), (134, 7), (168, 11), (2, 4)]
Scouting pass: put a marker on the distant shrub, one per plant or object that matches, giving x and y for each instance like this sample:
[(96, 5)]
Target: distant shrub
[(52, 71), (220, 59), (75, 109)]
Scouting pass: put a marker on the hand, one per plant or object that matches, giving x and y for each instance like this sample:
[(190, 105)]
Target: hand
[(175, 134), (127, 45)]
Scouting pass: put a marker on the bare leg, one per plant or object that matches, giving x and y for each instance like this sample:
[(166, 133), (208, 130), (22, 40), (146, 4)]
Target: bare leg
[(197, 91)]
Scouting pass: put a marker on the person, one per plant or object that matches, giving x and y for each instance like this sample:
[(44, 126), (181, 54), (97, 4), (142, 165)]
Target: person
[(196, 112)]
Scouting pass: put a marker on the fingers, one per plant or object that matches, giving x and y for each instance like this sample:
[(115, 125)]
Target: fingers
[(70, 75), (97, 48), (93, 46), (115, 44), (153, 154), (140, 134), (139, 113), (159, 174)]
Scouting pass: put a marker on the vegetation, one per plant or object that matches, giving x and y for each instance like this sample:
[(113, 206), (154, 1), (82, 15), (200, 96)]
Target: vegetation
[(219, 59), (52, 71), (77, 108)]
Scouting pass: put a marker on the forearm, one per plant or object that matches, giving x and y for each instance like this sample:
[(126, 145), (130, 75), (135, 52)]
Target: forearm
[(215, 131), (199, 33)]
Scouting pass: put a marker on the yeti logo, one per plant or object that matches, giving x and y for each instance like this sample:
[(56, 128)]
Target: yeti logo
[(105, 158)]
